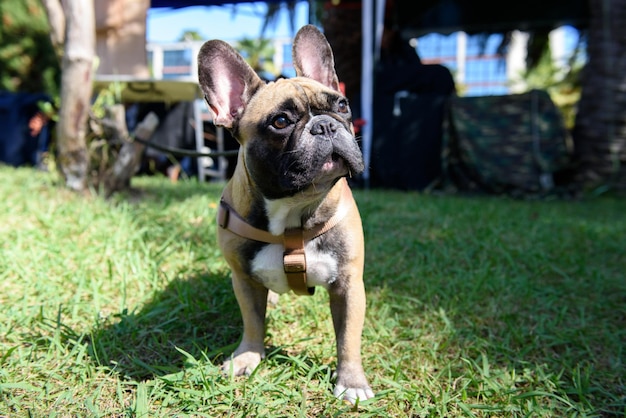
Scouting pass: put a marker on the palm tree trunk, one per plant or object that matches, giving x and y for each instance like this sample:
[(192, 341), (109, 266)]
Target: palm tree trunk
[(600, 129)]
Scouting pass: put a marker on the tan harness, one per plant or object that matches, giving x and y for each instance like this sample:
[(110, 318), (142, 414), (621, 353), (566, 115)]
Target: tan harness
[(293, 239)]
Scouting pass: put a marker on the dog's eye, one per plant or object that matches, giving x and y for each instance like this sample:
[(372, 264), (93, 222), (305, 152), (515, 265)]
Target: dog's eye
[(342, 106), (280, 122)]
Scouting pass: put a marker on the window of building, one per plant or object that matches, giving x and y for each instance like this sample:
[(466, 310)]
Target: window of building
[(177, 63)]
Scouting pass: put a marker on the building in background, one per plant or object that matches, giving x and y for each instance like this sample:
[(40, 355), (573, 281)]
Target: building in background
[(179, 59), (477, 67), (473, 60), (121, 37)]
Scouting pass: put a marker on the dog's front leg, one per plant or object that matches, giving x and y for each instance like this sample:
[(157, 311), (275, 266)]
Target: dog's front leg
[(252, 300), (348, 311)]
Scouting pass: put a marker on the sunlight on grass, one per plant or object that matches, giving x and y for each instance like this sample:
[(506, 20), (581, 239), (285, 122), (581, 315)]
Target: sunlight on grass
[(477, 307)]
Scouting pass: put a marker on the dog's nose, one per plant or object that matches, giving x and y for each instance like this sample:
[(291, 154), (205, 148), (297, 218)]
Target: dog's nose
[(325, 126)]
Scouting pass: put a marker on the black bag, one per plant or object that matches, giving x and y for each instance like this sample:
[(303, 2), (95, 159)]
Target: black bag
[(409, 110)]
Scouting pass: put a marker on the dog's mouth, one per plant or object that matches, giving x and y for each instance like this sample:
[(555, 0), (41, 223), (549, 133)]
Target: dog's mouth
[(338, 165), (334, 163), (324, 162)]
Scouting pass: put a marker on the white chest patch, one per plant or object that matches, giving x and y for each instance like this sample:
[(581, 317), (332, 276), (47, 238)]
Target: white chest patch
[(267, 265)]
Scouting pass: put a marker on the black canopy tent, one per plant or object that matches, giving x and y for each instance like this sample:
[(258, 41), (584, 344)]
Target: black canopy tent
[(446, 16), (476, 16)]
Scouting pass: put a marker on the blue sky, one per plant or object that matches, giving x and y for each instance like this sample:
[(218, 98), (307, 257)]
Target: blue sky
[(230, 22)]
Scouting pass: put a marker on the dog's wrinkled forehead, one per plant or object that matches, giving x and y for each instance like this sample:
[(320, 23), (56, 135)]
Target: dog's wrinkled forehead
[(299, 94)]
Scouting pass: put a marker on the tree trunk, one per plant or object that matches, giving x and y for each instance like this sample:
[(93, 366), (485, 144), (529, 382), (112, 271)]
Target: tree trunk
[(76, 90), (129, 157), (600, 129)]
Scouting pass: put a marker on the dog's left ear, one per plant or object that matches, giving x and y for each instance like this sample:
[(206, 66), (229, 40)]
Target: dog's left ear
[(313, 57)]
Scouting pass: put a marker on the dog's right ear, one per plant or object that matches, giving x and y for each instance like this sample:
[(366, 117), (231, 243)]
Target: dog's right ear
[(226, 79)]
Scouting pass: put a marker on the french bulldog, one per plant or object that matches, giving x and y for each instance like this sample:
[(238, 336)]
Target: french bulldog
[(287, 218)]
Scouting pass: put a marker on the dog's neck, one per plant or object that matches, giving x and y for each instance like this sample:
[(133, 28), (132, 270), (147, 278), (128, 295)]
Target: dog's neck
[(286, 213), (291, 216)]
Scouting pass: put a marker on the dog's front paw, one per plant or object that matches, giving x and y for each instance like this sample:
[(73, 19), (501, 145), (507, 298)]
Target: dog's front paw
[(242, 364), (352, 386), (351, 394)]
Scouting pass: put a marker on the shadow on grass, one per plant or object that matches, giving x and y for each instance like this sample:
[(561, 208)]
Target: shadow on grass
[(198, 315), (195, 314)]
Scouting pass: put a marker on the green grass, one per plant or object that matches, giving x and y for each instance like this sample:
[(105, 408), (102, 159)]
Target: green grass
[(477, 307)]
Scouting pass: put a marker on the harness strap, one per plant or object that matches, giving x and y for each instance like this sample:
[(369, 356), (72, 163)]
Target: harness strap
[(293, 239), (228, 218), (294, 262)]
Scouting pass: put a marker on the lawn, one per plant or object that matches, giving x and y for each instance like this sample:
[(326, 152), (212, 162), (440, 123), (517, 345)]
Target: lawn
[(477, 307)]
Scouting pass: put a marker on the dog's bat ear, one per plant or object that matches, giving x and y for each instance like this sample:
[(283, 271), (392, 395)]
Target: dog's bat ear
[(313, 57), (227, 81)]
